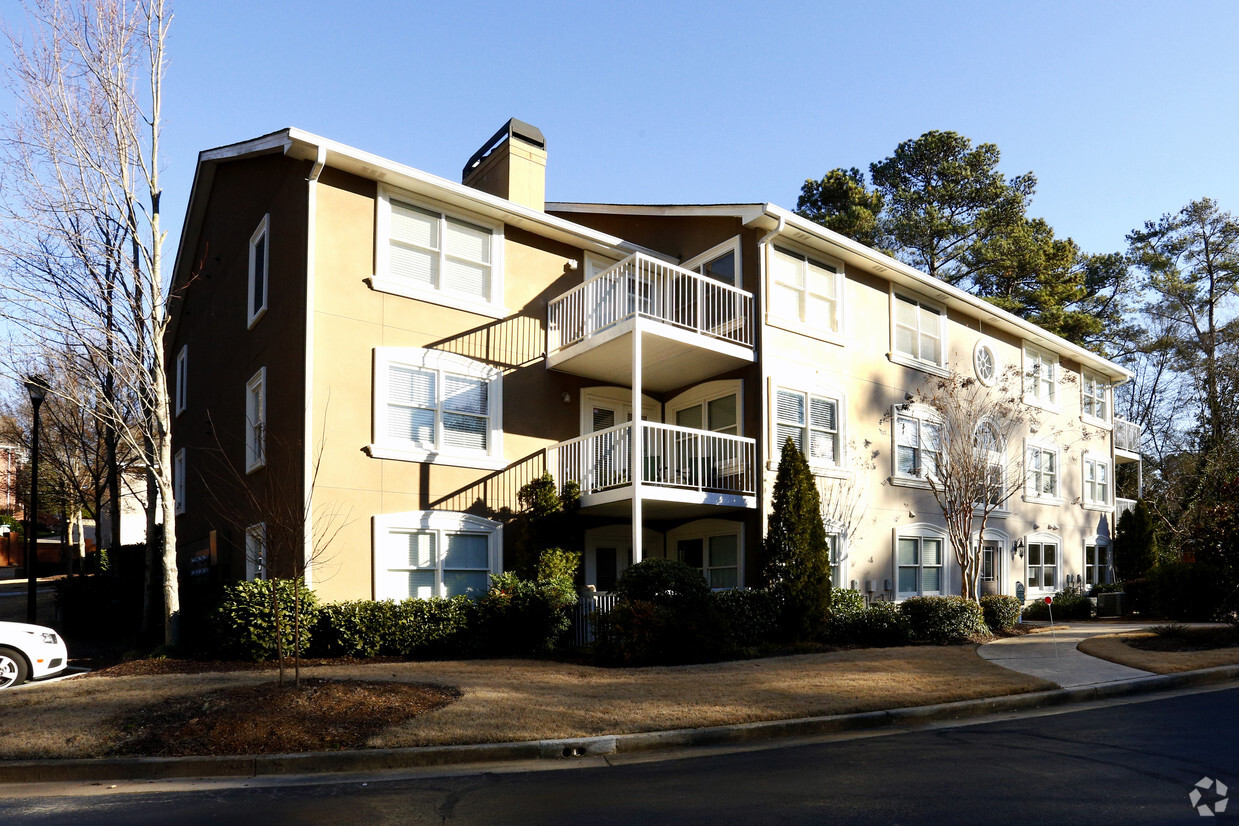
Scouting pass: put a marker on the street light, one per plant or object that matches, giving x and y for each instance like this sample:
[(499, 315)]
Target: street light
[(37, 387)]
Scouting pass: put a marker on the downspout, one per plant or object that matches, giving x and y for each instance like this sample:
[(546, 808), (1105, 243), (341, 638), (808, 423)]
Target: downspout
[(764, 370), (307, 445)]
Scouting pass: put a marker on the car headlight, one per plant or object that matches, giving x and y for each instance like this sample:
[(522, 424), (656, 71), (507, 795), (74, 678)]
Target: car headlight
[(48, 638)]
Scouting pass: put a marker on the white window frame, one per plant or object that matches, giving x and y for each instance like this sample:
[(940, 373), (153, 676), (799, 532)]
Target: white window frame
[(439, 523), (1038, 391), (182, 379), (705, 530), (731, 245), (1043, 539), (256, 421), (937, 368), (703, 394), (921, 415), (834, 333), (439, 361), (253, 313), (256, 552), (383, 281), (983, 352), (178, 480), (808, 391), (838, 560), (1032, 481), (997, 458), (1101, 544), (921, 532), (1100, 395), (1089, 467)]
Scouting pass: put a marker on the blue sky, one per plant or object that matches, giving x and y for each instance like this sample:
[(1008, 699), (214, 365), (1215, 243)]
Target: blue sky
[(1124, 111)]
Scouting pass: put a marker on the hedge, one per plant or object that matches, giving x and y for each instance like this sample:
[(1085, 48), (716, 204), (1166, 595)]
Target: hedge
[(943, 620), (1001, 612)]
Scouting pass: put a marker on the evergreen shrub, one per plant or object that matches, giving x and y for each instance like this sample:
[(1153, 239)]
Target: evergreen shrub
[(943, 620), (1001, 612), (243, 624)]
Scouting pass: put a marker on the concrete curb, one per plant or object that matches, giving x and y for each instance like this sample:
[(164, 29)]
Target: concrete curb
[(156, 768)]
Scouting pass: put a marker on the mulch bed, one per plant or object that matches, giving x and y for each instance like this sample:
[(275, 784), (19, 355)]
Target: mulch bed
[(318, 715)]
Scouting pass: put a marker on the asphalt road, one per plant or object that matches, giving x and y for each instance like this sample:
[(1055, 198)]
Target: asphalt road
[(1129, 763)]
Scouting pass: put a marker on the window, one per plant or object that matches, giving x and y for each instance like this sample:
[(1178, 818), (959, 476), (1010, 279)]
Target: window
[(178, 480), (256, 421), (989, 562), (425, 253), (985, 362), (919, 332), (257, 301), (991, 451), (182, 377), (917, 440), (1096, 556), (256, 552), (1043, 565), (805, 290), (721, 263), (1096, 401), (425, 554), (1040, 376), (811, 422), (433, 406), (919, 563), (713, 547), (1096, 481), (1042, 473), (838, 564)]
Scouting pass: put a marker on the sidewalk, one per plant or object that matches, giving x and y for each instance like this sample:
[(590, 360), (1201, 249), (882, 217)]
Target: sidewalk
[(1052, 654)]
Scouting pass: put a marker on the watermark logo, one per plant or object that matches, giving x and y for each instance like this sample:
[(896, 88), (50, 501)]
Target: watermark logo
[(1197, 794)]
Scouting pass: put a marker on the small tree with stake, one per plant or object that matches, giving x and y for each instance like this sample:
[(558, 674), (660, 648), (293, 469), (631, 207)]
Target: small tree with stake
[(796, 551)]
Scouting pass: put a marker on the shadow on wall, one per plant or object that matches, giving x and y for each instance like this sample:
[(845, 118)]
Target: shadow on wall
[(495, 494)]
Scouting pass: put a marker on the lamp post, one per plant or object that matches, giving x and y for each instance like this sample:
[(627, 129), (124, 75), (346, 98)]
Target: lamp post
[(37, 386)]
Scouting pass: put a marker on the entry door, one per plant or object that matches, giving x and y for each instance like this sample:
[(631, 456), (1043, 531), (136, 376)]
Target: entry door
[(990, 581), (605, 562), (610, 453)]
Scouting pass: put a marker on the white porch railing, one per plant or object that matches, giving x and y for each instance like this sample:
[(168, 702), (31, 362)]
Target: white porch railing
[(673, 456), (641, 285), (1127, 435)]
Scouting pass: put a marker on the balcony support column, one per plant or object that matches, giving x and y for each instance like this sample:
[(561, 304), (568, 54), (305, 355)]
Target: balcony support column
[(637, 472)]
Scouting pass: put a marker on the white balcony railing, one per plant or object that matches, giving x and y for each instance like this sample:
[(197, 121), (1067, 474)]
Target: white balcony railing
[(645, 286), (1127, 435), (672, 456)]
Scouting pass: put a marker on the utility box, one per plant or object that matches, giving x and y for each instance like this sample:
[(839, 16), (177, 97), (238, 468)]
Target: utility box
[(1111, 605)]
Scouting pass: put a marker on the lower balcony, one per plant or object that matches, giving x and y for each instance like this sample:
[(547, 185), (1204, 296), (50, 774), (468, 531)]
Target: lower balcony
[(684, 472)]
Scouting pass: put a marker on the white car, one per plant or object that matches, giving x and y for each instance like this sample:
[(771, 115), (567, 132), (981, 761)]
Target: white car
[(29, 652)]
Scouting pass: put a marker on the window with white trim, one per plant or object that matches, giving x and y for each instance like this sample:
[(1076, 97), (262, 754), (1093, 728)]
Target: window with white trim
[(435, 406), (256, 421), (256, 552), (838, 565), (178, 480), (917, 440), (1042, 562), (1096, 481), (920, 568), (1096, 561), (1040, 376), (1042, 473), (425, 554), (1095, 404), (811, 421), (256, 301), (712, 546), (181, 392), (991, 452), (805, 289), (721, 262), (985, 363), (919, 330), (450, 259)]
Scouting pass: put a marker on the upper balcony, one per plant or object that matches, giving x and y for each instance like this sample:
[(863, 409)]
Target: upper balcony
[(685, 472), (697, 327), (1127, 440)]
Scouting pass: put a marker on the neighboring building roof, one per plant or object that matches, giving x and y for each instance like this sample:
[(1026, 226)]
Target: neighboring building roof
[(775, 218)]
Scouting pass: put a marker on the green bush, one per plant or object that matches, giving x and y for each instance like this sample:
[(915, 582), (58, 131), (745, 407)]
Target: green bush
[(880, 625), (411, 628), (846, 602), (943, 620), (665, 582), (640, 632), (1001, 612), (243, 624), (748, 618), (1190, 591), (520, 616), (1069, 604)]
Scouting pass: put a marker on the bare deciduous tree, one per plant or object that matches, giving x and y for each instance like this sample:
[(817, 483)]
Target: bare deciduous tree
[(83, 245)]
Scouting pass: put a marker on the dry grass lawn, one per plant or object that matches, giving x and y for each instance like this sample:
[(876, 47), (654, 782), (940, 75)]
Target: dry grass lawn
[(510, 700), (1118, 648)]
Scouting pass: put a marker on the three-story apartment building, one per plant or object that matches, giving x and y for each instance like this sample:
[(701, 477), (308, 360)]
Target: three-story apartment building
[(385, 357)]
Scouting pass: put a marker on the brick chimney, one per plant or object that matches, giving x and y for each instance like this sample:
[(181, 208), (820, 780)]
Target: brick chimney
[(512, 165)]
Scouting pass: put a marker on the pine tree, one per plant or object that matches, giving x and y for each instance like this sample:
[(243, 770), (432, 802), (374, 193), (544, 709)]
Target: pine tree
[(796, 552), (1135, 543)]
